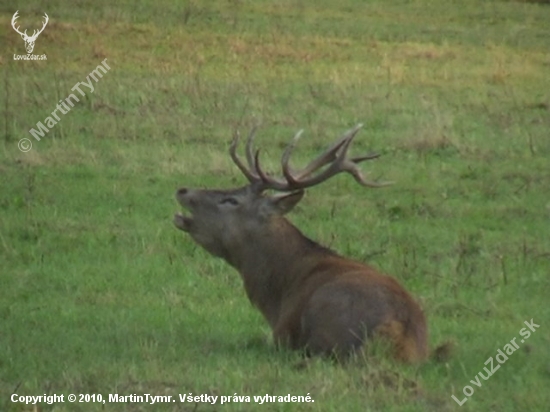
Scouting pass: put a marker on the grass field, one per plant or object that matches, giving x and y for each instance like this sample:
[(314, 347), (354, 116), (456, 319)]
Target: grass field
[(100, 294)]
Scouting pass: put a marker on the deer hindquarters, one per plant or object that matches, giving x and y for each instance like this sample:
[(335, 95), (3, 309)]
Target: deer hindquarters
[(340, 316)]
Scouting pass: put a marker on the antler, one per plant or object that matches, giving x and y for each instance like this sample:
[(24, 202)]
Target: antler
[(335, 156), (34, 35), (35, 32), (13, 19)]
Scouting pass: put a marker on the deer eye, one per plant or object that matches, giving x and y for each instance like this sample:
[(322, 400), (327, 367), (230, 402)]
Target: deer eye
[(229, 201)]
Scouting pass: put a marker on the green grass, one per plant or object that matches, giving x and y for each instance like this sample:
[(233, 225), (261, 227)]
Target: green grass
[(101, 294)]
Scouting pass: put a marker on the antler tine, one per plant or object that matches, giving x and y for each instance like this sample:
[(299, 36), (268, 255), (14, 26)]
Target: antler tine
[(45, 21), (252, 178), (286, 157), (268, 181), (13, 21), (358, 176), (249, 150), (366, 157)]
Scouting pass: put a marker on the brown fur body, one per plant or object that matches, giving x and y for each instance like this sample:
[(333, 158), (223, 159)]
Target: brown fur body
[(312, 298)]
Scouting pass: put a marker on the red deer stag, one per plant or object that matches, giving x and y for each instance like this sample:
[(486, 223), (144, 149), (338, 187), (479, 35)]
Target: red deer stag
[(313, 298)]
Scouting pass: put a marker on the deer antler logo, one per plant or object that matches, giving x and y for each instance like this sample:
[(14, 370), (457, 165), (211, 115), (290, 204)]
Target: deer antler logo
[(29, 40)]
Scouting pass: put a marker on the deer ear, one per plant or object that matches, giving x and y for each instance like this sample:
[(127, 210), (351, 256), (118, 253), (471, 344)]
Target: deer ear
[(281, 205)]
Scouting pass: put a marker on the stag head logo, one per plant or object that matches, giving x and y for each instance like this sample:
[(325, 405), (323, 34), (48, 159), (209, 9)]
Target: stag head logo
[(29, 40)]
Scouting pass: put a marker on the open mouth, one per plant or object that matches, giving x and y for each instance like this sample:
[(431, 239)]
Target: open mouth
[(183, 222)]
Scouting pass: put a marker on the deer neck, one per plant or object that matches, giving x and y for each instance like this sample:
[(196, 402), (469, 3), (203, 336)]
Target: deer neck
[(272, 261)]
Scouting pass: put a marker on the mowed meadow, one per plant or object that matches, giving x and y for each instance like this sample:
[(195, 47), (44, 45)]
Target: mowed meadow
[(100, 294)]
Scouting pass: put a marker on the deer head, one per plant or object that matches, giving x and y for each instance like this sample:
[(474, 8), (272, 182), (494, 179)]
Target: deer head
[(29, 40), (223, 220)]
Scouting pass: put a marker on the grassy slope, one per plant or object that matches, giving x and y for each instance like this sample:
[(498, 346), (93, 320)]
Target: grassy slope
[(101, 295)]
